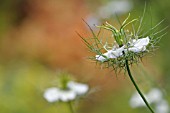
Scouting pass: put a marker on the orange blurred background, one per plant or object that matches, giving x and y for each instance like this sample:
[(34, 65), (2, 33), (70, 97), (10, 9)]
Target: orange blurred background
[(44, 31)]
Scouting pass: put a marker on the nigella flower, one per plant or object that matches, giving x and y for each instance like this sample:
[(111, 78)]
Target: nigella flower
[(155, 97), (123, 47), (72, 91), (123, 44), (115, 7), (136, 46), (55, 94)]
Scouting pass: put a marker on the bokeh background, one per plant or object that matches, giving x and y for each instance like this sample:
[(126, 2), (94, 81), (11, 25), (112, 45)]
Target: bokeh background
[(38, 40)]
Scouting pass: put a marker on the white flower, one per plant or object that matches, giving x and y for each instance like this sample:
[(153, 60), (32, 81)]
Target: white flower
[(136, 46), (92, 20), (139, 45), (155, 95), (162, 107), (136, 101), (52, 94), (73, 90), (115, 7), (67, 95), (114, 53), (78, 88)]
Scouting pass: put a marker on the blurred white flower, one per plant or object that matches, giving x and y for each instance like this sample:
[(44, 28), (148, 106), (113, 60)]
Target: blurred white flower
[(66, 95), (78, 88), (92, 20), (111, 8), (73, 90), (136, 101), (115, 7), (162, 107), (155, 97), (52, 94)]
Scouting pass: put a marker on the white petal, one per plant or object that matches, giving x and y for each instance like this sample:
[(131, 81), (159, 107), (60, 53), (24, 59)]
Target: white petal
[(78, 88), (137, 49), (67, 95), (141, 42), (162, 107), (111, 54), (114, 53), (52, 94), (139, 45), (102, 58), (155, 95)]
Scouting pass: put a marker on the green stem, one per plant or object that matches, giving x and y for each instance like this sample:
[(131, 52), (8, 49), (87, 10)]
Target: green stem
[(137, 88), (70, 107)]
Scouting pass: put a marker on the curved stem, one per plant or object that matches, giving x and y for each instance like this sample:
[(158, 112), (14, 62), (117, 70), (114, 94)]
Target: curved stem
[(70, 107), (137, 88)]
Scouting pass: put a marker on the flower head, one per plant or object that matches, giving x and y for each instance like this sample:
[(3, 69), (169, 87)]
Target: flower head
[(72, 91), (124, 47), (155, 97), (136, 46), (123, 44)]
